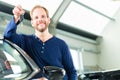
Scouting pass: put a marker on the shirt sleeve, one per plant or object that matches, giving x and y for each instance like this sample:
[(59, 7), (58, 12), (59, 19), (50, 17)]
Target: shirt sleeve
[(10, 32), (10, 29), (68, 64)]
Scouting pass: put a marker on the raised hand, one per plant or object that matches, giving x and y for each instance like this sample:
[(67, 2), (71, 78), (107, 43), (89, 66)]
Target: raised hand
[(17, 12)]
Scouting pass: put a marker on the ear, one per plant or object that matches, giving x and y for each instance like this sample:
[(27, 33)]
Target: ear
[(49, 20), (32, 23)]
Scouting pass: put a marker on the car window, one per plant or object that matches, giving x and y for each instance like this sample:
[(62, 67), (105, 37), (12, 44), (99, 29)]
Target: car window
[(14, 63)]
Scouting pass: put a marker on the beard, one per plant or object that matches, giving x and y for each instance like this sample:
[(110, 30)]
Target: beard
[(42, 29)]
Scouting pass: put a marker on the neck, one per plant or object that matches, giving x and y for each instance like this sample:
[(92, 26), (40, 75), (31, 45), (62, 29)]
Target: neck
[(44, 36)]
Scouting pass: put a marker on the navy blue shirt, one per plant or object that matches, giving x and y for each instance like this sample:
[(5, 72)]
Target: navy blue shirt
[(53, 52)]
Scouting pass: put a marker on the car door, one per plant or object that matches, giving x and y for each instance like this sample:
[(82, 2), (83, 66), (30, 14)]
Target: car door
[(15, 64)]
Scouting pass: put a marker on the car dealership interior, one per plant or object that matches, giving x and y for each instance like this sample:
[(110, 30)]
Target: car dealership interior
[(90, 28)]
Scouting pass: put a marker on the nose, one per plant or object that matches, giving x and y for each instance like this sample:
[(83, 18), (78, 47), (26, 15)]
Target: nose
[(40, 20)]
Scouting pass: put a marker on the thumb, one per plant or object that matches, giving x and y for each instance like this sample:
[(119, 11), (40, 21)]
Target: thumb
[(22, 12)]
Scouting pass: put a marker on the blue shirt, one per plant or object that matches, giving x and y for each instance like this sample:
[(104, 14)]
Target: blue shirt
[(53, 52)]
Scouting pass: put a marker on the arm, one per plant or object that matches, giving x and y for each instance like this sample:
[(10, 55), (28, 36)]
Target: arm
[(68, 64), (10, 30)]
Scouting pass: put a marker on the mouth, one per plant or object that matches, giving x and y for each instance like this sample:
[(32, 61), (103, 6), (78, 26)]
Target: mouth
[(42, 24)]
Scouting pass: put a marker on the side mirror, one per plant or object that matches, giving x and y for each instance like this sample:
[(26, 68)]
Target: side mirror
[(54, 73)]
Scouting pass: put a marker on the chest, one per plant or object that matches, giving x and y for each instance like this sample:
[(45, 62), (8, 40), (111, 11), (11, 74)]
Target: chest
[(48, 49)]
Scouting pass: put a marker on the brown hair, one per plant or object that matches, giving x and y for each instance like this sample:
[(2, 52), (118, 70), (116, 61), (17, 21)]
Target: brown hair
[(38, 6)]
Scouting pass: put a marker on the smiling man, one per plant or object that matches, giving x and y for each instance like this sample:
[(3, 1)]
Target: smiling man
[(44, 48)]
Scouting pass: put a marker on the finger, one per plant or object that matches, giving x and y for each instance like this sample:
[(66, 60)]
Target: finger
[(21, 9), (16, 12)]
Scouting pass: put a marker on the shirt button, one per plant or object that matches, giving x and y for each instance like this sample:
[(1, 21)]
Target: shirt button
[(43, 43), (42, 51), (42, 47)]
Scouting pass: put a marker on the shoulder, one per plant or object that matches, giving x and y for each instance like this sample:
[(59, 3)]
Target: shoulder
[(24, 37), (60, 42), (28, 37), (57, 39)]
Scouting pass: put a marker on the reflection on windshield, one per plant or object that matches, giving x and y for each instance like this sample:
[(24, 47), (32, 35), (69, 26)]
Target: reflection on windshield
[(5, 67), (12, 64)]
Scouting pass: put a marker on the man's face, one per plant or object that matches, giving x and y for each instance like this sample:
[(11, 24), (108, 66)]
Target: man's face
[(40, 21)]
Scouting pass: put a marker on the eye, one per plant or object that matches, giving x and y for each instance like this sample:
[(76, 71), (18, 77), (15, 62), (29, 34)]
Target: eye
[(36, 17), (43, 16)]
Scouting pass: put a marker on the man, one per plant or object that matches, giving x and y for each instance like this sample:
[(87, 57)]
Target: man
[(44, 48)]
